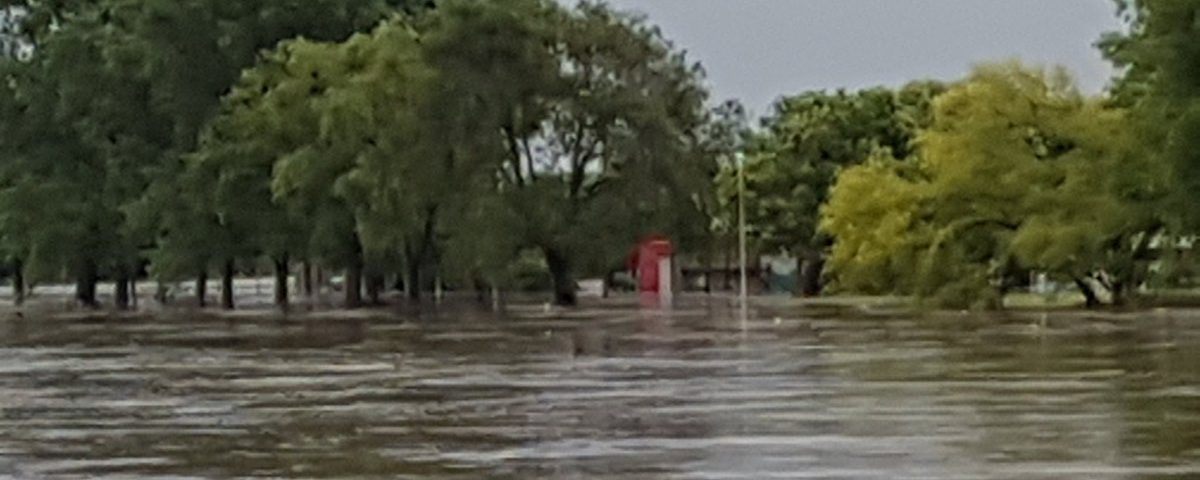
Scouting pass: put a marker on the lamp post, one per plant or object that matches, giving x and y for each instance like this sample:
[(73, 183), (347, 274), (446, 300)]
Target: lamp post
[(742, 291)]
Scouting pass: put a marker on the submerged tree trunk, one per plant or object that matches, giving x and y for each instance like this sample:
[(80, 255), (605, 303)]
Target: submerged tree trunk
[(227, 285), (376, 282), (415, 257), (438, 292), (282, 264), (497, 299), (560, 274), (412, 284), (18, 284), (85, 285), (354, 277), (810, 268), (480, 288), (121, 294), (1089, 293), (319, 288), (202, 289), (306, 275), (353, 285)]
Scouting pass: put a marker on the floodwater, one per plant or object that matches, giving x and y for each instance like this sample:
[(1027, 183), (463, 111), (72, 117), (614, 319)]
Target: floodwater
[(604, 392)]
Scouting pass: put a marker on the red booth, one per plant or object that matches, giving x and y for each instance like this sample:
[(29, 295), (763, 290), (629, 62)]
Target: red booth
[(650, 264)]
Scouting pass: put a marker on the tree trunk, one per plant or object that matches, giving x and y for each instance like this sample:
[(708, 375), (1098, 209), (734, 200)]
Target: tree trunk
[(354, 285), (281, 281), (306, 275), (480, 288), (497, 299), (227, 285), (1118, 292), (810, 270), (412, 284), (121, 293), (18, 284), (1088, 292), (415, 257), (202, 289), (133, 292), (438, 292), (726, 277), (375, 285), (560, 273), (85, 285)]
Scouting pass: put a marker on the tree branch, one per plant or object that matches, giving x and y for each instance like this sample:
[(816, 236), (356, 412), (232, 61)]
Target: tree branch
[(528, 159), (513, 150)]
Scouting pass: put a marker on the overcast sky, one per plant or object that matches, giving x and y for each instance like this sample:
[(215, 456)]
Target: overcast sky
[(757, 50)]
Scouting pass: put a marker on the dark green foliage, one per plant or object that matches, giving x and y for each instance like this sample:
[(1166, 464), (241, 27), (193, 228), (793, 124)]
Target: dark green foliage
[(1160, 53), (115, 94)]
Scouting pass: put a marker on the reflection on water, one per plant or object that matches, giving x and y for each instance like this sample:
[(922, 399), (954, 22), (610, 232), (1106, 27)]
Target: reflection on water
[(613, 392)]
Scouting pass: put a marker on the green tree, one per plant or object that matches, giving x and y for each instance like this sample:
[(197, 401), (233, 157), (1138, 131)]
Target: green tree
[(134, 82), (251, 225), (68, 145), (1159, 55), (793, 161), (271, 173), (382, 138), (478, 62), (724, 138), (614, 151)]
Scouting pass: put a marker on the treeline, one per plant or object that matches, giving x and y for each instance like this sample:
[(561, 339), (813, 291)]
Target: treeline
[(384, 139), (957, 193), (406, 142)]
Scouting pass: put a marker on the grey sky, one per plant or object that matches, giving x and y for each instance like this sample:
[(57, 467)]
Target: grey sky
[(757, 50)]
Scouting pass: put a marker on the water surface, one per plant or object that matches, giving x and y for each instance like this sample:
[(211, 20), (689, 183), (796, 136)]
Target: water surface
[(607, 392)]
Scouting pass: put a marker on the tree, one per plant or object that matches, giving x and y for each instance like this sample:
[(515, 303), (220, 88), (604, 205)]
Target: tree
[(792, 163), (426, 166), (1160, 56), (1018, 171), (270, 181), (251, 224), (724, 138), (63, 146), (366, 155), (610, 150)]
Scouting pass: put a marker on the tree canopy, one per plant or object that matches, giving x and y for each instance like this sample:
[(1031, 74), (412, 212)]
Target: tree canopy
[(1017, 172), (454, 141), (371, 136), (803, 146), (1160, 56)]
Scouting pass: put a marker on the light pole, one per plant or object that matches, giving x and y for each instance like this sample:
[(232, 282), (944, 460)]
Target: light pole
[(742, 291)]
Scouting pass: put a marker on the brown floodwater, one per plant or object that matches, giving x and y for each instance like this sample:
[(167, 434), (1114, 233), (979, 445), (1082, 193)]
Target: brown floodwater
[(610, 391)]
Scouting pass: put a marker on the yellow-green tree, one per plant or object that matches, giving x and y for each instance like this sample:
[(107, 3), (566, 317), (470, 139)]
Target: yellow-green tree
[(1018, 172)]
